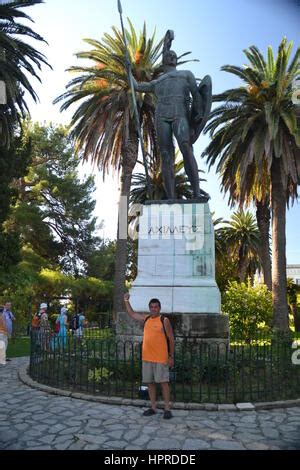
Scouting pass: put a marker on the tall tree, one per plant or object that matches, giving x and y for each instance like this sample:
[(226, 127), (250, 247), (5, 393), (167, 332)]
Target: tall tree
[(104, 124), (18, 63), (53, 211), (138, 193), (256, 128), (13, 164), (263, 218), (242, 241), (258, 194), (101, 262), (226, 265)]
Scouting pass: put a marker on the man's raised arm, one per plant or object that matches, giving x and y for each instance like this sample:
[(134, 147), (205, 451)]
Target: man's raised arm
[(136, 316)]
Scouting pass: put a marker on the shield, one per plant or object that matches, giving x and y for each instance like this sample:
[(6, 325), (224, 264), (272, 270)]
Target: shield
[(205, 90)]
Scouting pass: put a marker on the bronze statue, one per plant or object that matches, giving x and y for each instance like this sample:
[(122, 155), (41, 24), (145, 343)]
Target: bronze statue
[(179, 115)]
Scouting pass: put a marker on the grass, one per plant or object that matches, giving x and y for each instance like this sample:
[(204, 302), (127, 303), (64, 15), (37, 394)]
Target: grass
[(18, 347)]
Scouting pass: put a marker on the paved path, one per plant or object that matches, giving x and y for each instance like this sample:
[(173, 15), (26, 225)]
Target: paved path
[(32, 419)]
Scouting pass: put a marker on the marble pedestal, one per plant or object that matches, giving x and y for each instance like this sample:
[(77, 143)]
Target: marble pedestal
[(207, 328), (176, 264)]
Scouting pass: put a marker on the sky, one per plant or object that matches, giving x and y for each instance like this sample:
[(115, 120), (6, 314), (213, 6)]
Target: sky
[(216, 32)]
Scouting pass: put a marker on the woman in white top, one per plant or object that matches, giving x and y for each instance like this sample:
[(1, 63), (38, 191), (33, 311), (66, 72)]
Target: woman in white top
[(3, 338)]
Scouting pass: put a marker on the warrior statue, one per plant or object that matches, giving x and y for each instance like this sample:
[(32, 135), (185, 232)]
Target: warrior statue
[(182, 110)]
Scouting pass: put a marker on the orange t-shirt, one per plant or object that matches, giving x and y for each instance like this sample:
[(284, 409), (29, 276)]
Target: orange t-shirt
[(155, 348)]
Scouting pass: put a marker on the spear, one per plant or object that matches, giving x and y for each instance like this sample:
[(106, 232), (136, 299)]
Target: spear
[(136, 114)]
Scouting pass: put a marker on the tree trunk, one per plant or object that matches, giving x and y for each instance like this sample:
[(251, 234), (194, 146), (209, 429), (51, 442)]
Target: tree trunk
[(129, 153), (263, 217), (296, 315), (242, 268), (279, 280)]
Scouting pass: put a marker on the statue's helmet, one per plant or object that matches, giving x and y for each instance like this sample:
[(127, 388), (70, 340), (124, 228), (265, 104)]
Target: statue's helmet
[(169, 58)]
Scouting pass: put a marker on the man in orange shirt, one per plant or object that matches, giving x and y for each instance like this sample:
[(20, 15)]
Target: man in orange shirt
[(155, 355)]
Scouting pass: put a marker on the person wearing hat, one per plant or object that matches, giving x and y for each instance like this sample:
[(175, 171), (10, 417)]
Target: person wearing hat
[(36, 320), (44, 326)]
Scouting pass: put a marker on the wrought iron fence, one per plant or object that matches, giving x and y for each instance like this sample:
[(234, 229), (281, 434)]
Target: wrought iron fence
[(97, 363), (20, 331)]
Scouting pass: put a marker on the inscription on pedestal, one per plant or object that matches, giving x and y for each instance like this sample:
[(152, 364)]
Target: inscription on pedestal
[(176, 259)]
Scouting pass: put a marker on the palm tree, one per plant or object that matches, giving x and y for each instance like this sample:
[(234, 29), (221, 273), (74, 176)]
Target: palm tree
[(226, 266), (16, 58), (255, 132), (259, 195), (242, 240), (103, 124), (138, 193), (263, 219), (236, 243)]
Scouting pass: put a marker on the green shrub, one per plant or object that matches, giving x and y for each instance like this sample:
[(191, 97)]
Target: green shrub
[(99, 375), (249, 309), (95, 333)]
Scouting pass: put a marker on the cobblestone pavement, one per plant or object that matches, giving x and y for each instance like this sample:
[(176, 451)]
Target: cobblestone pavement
[(32, 419)]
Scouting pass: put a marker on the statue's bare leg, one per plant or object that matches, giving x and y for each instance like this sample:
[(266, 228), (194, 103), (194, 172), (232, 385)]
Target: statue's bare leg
[(191, 167), (181, 131), (165, 142)]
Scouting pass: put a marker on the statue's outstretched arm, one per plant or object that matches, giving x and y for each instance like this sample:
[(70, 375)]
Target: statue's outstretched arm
[(144, 86)]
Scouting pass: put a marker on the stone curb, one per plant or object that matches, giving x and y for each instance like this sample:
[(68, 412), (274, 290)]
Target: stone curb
[(27, 380)]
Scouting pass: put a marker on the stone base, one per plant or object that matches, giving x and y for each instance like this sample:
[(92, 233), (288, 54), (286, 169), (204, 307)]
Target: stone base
[(200, 327), (204, 299), (176, 259)]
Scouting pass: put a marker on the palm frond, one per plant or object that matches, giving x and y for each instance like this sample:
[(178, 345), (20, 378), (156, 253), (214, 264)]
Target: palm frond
[(255, 124)]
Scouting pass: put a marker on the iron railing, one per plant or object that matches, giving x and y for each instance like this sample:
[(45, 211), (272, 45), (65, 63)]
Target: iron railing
[(214, 372)]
